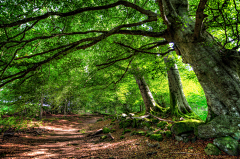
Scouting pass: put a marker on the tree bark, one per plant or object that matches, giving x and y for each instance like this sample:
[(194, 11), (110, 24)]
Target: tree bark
[(65, 108), (146, 93), (41, 108), (217, 74), (178, 100)]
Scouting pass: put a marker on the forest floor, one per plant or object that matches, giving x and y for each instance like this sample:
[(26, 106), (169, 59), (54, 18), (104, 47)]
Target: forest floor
[(68, 137)]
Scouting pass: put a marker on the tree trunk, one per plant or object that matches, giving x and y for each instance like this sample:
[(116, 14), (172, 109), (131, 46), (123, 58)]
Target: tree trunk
[(146, 93), (65, 108), (178, 101), (41, 108), (216, 72)]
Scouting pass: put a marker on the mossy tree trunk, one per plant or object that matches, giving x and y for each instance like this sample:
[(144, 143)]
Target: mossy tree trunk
[(178, 101)]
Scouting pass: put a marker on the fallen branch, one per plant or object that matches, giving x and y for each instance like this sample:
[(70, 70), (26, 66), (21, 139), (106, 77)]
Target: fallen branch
[(161, 119), (110, 135)]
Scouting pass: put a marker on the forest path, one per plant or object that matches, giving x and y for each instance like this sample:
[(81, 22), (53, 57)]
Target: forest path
[(60, 138), (69, 137)]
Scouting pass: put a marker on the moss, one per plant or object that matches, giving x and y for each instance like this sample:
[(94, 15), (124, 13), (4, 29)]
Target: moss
[(106, 130), (186, 126), (125, 123), (125, 131), (136, 123), (113, 120), (141, 133), (168, 134), (104, 137), (122, 137), (100, 120), (155, 121), (169, 126), (147, 124), (162, 124), (157, 137), (133, 133)]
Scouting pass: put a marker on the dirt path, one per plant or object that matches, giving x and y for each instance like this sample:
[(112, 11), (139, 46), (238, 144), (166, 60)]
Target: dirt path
[(68, 138), (59, 139)]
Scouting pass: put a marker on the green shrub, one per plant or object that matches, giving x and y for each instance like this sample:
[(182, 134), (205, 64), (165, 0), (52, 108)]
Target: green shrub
[(162, 124), (106, 130), (113, 130), (157, 137)]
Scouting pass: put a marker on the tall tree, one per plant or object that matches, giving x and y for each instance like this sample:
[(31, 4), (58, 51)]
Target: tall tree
[(178, 101), (35, 33)]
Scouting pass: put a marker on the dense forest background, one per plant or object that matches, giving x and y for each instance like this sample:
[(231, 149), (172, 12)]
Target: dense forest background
[(57, 58)]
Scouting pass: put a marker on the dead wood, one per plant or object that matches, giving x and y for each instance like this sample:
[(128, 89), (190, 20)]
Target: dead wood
[(110, 135), (161, 119)]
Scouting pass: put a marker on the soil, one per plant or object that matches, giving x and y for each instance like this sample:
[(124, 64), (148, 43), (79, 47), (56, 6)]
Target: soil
[(70, 137)]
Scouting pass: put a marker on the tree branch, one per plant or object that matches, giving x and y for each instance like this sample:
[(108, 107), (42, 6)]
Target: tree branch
[(199, 19), (81, 10)]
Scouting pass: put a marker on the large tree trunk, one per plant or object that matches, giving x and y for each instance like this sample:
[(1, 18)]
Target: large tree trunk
[(217, 76), (178, 100), (146, 93)]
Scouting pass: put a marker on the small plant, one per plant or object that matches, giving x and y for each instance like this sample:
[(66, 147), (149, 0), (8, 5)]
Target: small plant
[(113, 130), (83, 131)]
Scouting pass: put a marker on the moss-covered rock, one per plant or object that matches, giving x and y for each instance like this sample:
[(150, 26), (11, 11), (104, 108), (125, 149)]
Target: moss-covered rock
[(106, 130), (157, 137), (125, 123), (185, 126), (227, 144), (211, 149), (162, 124)]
